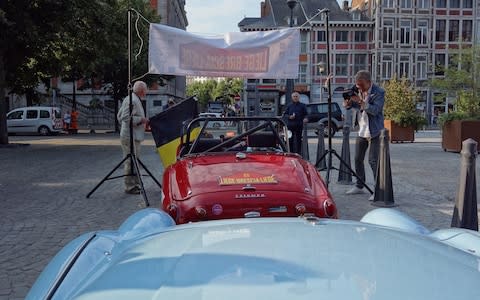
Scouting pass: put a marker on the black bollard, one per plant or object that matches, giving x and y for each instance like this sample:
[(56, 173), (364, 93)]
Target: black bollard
[(384, 187), (465, 211), (344, 174), (322, 165), (305, 154)]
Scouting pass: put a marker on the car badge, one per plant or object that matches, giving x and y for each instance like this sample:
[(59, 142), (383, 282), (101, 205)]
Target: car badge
[(250, 196), (217, 209)]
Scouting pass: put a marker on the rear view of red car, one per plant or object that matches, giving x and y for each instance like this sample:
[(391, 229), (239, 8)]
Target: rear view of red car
[(243, 171)]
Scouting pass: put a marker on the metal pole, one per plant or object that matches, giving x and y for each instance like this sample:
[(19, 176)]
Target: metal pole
[(289, 84)]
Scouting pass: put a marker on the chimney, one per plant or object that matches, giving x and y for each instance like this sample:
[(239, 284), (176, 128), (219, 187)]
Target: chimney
[(345, 6), (264, 9)]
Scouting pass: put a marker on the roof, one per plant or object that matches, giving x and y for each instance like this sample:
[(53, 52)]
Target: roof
[(279, 14), (277, 258)]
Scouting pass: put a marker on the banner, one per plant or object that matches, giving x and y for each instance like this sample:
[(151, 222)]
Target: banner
[(261, 54), (167, 129)]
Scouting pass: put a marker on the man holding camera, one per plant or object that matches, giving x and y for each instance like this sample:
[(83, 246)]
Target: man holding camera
[(369, 99)]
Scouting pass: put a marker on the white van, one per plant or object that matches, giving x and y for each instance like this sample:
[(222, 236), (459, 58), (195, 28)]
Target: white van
[(35, 119)]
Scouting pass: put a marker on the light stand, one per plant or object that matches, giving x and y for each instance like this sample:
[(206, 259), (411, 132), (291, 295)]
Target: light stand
[(134, 160), (330, 151), (289, 85)]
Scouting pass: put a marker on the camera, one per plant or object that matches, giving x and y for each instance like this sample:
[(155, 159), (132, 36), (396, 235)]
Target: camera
[(350, 92)]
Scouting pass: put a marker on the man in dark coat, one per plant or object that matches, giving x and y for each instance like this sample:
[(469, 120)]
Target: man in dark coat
[(296, 114)]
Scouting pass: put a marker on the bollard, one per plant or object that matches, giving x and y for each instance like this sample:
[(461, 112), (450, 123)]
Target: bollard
[(344, 174), (305, 154), (383, 186), (465, 210), (321, 165)]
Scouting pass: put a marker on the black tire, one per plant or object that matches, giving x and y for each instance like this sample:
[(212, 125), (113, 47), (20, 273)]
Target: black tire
[(43, 130), (333, 130)]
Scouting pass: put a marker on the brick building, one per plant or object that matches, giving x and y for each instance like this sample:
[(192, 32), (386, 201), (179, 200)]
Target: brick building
[(405, 37)]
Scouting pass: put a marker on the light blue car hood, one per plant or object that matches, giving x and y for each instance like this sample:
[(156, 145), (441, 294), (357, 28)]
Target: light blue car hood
[(274, 259)]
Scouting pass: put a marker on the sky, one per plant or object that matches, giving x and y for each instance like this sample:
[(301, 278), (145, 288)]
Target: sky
[(219, 16)]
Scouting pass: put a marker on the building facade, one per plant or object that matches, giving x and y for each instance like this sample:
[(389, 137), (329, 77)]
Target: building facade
[(406, 38)]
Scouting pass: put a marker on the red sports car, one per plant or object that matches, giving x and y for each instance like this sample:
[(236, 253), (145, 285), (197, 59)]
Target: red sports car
[(242, 170)]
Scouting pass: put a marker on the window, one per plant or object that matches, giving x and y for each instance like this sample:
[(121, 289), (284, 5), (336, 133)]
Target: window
[(405, 29), (387, 66), (359, 62), (16, 115), (269, 81), (360, 36), (302, 74), (321, 36), (452, 61), (45, 114), (422, 67), (406, 3), (453, 31), (341, 36), (321, 58), (341, 64), (388, 32), (467, 4), (389, 3), (439, 64), (440, 30), (441, 3), (303, 42), (404, 66), (423, 3), (32, 114), (422, 32), (157, 103), (467, 30), (454, 3), (356, 15)]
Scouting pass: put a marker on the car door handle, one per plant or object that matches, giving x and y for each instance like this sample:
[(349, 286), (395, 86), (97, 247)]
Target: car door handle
[(249, 188)]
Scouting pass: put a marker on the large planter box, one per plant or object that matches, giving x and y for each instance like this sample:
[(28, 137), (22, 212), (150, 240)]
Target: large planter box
[(398, 133), (455, 132)]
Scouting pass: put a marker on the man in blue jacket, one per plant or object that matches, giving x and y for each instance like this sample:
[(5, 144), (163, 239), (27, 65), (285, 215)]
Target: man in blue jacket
[(296, 113), (369, 101)]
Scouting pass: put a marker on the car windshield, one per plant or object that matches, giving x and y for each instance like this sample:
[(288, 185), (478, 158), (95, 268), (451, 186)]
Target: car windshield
[(207, 134)]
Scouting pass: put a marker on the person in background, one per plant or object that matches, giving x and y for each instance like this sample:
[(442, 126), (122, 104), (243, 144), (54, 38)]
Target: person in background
[(296, 113), (66, 121), (132, 184), (169, 104), (369, 101)]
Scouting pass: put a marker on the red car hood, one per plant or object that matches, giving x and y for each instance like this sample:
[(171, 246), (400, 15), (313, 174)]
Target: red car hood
[(201, 174)]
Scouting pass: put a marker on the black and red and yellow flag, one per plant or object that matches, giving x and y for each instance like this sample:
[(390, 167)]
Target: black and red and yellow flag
[(167, 128)]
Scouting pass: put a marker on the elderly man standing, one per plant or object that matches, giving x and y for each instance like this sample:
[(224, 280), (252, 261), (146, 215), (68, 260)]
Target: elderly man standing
[(369, 101), (132, 185), (296, 113)]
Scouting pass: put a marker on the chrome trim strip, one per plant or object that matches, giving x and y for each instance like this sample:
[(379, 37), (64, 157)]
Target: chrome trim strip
[(63, 273)]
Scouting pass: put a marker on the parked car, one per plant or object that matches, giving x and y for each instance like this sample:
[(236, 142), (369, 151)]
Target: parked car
[(216, 124), (244, 170), (386, 255), (35, 119), (318, 113)]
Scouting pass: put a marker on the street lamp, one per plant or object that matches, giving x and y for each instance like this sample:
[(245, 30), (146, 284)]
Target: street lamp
[(289, 84), (321, 69)]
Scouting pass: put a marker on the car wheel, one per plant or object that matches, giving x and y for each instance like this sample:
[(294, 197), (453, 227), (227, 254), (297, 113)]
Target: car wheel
[(43, 130), (333, 130)]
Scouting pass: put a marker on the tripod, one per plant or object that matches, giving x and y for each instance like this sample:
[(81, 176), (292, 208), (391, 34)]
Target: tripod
[(132, 155), (330, 152)]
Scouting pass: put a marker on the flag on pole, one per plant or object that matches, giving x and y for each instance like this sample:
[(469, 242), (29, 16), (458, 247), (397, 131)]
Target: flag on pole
[(167, 128)]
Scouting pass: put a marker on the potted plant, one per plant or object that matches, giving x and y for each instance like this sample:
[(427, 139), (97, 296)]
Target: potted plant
[(400, 110), (461, 81)]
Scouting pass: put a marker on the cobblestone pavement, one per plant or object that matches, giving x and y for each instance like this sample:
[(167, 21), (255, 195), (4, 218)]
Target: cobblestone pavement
[(43, 188)]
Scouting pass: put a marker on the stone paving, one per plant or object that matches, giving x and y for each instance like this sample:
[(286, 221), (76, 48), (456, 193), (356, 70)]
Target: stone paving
[(43, 188)]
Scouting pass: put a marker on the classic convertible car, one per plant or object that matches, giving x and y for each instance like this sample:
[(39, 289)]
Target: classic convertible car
[(385, 256), (242, 170)]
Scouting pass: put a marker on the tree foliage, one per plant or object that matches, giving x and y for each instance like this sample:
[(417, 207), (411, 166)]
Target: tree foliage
[(461, 80), (73, 39), (401, 103), (209, 90)]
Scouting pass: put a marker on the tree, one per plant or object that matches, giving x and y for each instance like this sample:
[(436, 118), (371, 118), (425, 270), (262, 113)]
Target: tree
[(461, 81), (401, 103), (223, 90)]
